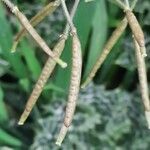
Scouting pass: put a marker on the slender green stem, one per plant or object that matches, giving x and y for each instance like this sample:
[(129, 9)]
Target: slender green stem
[(70, 22), (133, 4), (127, 3)]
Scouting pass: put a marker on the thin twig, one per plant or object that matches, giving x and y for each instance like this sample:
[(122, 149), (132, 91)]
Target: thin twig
[(67, 15), (127, 3)]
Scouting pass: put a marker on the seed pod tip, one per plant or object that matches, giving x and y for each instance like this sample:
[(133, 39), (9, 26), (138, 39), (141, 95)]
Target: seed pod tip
[(64, 65), (14, 47), (147, 115), (143, 51), (61, 135), (20, 123)]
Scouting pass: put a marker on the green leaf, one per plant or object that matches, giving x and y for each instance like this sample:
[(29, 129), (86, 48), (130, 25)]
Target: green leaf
[(99, 33), (51, 86), (3, 112), (7, 139), (31, 60), (5, 46)]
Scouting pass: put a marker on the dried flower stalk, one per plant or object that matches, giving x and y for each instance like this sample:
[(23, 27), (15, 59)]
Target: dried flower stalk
[(24, 21), (143, 81), (48, 9)]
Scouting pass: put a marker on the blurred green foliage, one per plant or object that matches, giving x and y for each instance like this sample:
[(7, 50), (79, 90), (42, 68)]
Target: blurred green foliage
[(108, 116)]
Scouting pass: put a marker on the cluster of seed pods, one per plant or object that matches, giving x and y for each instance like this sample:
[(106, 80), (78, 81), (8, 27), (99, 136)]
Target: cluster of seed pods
[(27, 26), (140, 50), (52, 60)]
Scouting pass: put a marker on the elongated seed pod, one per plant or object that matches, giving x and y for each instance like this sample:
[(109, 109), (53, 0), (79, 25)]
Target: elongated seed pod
[(46, 72), (143, 81), (107, 48), (24, 21), (136, 30), (48, 9), (74, 88)]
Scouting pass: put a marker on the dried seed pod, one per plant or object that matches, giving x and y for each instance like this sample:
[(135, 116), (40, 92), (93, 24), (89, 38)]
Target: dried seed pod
[(24, 21), (48, 9), (107, 48), (46, 72), (143, 81), (74, 87), (136, 30)]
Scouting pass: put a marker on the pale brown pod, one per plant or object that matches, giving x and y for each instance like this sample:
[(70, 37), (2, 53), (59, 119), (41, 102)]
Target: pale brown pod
[(143, 81), (24, 21), (47, 10), (106, 50), (74, 87), (46, 72), (136, 30), (38, 39)]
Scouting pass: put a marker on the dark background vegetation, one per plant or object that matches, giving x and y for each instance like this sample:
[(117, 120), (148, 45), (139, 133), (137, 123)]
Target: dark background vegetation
[(109, 115)]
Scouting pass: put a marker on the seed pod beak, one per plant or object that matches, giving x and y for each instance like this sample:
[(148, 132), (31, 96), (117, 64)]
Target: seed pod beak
[(61, 135), (13, 49), (143, 51), (147, 115)]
